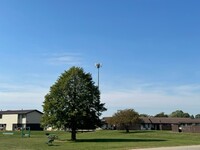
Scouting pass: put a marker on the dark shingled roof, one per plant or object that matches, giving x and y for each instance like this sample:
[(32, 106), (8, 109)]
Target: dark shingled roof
[(164, 120), (169, 120), (19, 111)]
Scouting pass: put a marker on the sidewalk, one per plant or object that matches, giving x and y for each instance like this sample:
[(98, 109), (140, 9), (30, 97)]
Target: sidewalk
[(194, 147)]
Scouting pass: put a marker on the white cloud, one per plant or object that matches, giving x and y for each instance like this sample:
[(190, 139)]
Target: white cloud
[(21, 96), (65, 58), (144, 98), (154, 100)]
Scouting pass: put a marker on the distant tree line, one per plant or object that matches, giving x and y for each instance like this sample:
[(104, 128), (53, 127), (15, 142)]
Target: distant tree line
[(127, 117), (174, 114)]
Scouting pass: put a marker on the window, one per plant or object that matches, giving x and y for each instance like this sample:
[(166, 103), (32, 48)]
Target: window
[(0, 116)]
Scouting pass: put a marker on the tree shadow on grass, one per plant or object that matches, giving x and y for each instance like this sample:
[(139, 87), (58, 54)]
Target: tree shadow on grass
[(53, 145), (137, 131), (120, 140)]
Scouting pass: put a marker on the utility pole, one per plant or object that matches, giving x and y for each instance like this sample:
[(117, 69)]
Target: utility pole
[(98, 66)]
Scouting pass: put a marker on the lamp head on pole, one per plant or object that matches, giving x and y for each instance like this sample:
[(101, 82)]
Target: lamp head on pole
[(98, 65)]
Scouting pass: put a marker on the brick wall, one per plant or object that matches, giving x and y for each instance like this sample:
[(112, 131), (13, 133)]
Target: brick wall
[(191, 129)]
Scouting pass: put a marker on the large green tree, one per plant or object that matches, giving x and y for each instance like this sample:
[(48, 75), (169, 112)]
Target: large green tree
[(180, 113), (125, 118), (73, 102)]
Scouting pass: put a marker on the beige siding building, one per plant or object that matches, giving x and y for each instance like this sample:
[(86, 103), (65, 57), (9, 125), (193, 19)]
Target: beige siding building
[(16, 119)]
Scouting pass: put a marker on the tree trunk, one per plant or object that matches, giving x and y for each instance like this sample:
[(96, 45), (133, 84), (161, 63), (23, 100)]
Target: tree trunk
[(127, 130), (73, 135)]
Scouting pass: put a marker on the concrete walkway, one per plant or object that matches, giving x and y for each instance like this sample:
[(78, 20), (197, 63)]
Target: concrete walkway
[(194, 147)]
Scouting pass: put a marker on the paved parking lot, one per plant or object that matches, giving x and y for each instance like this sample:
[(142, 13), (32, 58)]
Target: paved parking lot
[(194, 147)]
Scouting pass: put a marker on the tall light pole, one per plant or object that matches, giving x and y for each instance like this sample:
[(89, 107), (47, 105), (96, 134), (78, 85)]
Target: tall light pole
[(98, 65)]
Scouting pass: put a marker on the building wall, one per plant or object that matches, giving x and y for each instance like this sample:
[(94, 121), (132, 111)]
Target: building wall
[(33, 117), (1, 120), (193, 129), (147, 126), (22, 118), (175, 128), (9, 120), (13, 121), (132, 127)]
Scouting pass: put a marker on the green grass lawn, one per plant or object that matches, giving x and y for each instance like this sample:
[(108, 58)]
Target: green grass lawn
[(99, 140)]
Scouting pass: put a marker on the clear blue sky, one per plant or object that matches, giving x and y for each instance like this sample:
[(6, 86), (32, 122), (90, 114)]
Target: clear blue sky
[(150, 51)]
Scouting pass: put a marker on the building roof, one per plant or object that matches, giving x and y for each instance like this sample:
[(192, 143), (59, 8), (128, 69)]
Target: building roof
[(164, 120), (19, 111), (168, 120)]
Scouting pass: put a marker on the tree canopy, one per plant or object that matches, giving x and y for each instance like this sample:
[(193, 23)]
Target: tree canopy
[(197, 116), (143, 115), (73, 102), (180, 113), (125, 118), (162, 114)]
